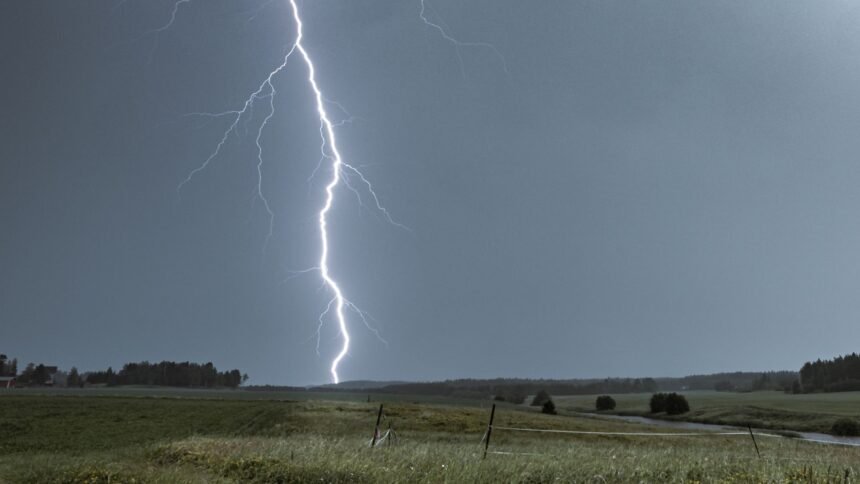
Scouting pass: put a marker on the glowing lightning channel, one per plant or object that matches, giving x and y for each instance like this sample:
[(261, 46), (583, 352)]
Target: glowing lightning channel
[(337, 164)]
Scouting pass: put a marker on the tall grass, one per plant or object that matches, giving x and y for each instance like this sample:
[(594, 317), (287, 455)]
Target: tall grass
[(175, 440)]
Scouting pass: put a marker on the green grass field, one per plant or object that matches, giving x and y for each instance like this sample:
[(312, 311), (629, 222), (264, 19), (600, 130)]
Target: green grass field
[(775, 410), (79, 438)]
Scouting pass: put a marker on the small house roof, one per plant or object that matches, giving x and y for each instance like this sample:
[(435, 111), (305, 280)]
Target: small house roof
[(6, 378)]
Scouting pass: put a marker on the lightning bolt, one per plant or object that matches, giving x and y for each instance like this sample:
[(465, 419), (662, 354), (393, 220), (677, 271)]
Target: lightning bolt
[(330, 140), (340, 172)]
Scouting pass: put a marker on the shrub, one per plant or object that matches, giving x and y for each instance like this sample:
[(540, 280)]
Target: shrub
[(548, 407), (845, 427), (605, 402), (671, 403), (541, 398), (676, 404)]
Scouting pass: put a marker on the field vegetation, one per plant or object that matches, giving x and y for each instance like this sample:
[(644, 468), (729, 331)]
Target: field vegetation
[(74, 438)]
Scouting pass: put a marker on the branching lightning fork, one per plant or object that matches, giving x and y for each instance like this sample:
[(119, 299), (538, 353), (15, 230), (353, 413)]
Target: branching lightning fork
[(340, 171), (443, 31)]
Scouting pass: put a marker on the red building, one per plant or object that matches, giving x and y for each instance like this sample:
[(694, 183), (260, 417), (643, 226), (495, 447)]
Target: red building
[(7, 382)]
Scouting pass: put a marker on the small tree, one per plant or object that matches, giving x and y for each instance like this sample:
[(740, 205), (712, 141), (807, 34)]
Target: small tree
[(27, 374), (74, 379), (605, 402), (548, 407), (540, 398), (40, 375), (110, 377)]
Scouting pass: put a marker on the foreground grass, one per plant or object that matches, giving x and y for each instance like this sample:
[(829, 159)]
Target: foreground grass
[(774, 410), (101, 439)]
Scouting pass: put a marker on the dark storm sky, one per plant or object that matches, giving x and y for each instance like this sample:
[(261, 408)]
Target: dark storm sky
[(656, 188)]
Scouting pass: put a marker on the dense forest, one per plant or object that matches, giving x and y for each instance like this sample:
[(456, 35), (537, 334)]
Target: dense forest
[(168, 373), (841, 374)]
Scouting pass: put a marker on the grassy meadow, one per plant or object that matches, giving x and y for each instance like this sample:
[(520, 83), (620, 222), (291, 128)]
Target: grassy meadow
[(81, 438), (813, 412)]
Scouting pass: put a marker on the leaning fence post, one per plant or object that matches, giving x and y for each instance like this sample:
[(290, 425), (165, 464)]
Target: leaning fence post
[(376, 428), (752, 436), (489, 430)]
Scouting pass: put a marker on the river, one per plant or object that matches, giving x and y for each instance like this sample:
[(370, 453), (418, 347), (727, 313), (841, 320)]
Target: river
[(808, 436)]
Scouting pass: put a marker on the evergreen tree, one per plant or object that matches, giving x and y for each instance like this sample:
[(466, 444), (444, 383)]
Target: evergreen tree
[(74, 379), (40, 375)]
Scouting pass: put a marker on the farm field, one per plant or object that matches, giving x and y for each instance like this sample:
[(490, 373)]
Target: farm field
[(229, 394), (92, 439), (814, 412)]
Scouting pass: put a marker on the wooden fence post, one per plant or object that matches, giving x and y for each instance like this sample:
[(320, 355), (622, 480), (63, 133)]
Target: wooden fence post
[(754, 443), (489, 430), (376, 428)]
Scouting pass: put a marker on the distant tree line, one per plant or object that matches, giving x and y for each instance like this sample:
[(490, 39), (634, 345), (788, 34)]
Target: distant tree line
[(168, 373), (517, 390), (774, 380), (841, 374), (739, 381), (35, 375)]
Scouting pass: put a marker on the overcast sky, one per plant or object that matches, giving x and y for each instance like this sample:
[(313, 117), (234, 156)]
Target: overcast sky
[(640, 189)]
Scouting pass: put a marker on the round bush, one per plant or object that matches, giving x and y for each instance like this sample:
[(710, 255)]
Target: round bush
[(605, 402), (845, 427), (676, 404)]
